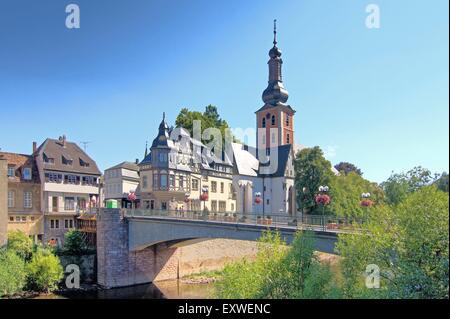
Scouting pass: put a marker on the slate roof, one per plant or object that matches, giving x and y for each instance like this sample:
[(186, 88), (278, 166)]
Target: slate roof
[(57, 149), (126, 165)]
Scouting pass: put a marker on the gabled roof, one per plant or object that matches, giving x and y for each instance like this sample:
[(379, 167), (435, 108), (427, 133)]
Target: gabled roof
[(268, 106), (56, 149), (21, 161), (126, 165)]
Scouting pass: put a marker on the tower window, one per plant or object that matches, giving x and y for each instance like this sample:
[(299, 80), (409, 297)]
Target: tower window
[(288, 138), (273, 119), (287, 120), (263, 122)]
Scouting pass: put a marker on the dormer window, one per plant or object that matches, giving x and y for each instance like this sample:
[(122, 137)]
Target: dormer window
[(26, 174), (83, 163), (48, 160), (67, 161)]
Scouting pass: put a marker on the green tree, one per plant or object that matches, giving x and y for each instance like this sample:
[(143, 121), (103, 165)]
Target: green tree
[(20, 243), (410, 244), (442, 182), (398, 186), (44, 271), (279, 272), (311, 171), (75, 243), (12, 273), (210, 118), (345, 168), (346, 190)]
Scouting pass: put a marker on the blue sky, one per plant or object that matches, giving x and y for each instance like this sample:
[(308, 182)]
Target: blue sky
[(375, 97)]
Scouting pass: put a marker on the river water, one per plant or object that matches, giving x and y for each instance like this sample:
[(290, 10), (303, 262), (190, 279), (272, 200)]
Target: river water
[(170, 289)]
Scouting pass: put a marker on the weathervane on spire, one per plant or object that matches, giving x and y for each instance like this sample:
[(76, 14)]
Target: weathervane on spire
[(275, 32)]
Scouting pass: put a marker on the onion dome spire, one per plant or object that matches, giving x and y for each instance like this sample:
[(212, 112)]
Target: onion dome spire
[(275, 92)]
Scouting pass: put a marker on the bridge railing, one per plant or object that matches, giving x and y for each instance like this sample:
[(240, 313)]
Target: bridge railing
[(313, 222)]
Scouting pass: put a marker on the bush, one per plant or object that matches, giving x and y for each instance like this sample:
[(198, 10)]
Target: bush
[(44, 271), (12, 273), (21, 244), (75, 243)]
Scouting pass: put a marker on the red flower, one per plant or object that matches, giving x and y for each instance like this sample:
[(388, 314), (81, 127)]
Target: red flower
[(258, 200), (204, 197), (323, 199), (366, 203), (132, 196)]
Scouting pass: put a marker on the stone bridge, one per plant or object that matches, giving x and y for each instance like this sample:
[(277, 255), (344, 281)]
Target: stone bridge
[(141, 249)]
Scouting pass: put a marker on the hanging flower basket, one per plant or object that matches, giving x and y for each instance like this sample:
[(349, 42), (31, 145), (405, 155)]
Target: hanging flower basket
[(323, 199), (366, 203), (204, 197), (132, 196)]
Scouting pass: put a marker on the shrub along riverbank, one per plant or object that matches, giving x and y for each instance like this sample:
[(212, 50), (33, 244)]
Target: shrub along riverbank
[(28, 269)]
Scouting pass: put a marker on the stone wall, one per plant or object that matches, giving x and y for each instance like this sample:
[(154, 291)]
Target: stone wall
[(3, 202), (118, 267)]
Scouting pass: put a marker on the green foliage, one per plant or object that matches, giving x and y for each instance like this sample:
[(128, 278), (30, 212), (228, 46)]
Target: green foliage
[(410, 244), (44, 271), (209, 119), (12, 273), (20, 243), (346, 190), (75, 243), (279, 272), (345, 168), (398, 186), (442, 182), (311, 171)]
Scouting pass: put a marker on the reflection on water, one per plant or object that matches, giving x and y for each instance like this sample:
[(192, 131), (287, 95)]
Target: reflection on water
[(171, 289)]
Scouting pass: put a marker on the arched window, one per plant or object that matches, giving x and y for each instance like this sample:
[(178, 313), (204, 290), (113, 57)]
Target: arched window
[(287, 138), (273, 119), (287, 120), (263, 122)]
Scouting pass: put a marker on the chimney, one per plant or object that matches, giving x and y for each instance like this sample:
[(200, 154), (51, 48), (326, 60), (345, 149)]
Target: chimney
[(34, 147), (63, 140)]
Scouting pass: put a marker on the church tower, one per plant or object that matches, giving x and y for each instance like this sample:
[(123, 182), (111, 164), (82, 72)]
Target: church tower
[(275, 120)]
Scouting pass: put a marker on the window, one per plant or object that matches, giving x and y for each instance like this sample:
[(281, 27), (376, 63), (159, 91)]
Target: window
[(144, 181), (287, 119), (89, 180), (152, 204), (182, 182), (53, 177), (66, 161), (214, 206), (83, 163), (54, 223), (11, 218), (268, 202), (68, 223), (163, 157), (214, 187), (71, 179), (11, 171), (263, 122), (18, 219), (195, 184), (155, 181), (222, 206), (287, 138), (11, 199), (32, 218), (69, 203), (172, 180), (23, 219), (49, 160), (27, 200), (163, 181), (55, 204), (273, 119), (26, 174), (222, 187), (163, 206), (232, 207)]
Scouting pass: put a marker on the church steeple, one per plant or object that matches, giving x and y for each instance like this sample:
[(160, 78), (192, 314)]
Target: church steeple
[(275, 92)]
